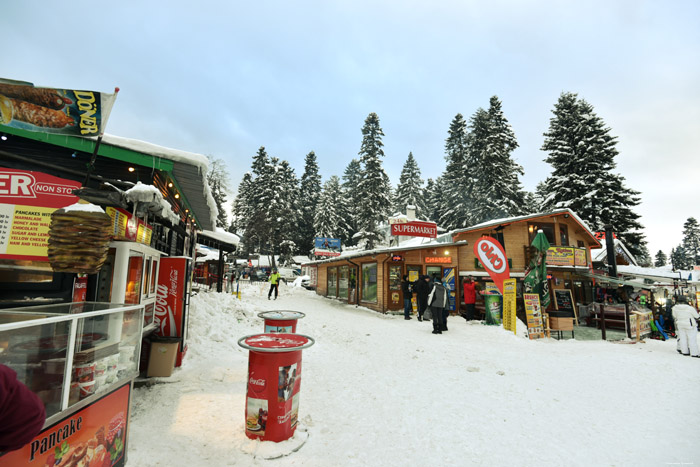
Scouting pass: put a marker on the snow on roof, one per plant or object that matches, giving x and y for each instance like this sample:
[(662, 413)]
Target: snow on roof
[(142, 193), (659, 273), (222, 236), (600, 254), (176, 155), (83, 207), (412, 244)]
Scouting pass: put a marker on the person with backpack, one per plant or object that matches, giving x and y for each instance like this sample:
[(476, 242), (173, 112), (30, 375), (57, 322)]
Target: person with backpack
[(422, 289), (407, 295), (437, 300)]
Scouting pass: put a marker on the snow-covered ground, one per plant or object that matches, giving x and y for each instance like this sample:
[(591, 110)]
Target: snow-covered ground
[(378, 390)]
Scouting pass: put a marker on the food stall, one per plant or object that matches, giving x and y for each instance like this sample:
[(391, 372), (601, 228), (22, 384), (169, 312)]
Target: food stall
[(81, 360)]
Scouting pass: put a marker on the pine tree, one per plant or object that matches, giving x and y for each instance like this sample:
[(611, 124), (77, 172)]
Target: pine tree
[(308, 200), (217, 179), (374, 185), (691, 241), (353, 197), (582, 154), (437, 199), (679, 258), (660, 259), (410, 189), (458, 179), (327, 222), (498, 183), (288, 214), (241, 206)]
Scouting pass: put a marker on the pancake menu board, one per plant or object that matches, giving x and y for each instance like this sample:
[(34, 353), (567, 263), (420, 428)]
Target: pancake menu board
[(564, 300)]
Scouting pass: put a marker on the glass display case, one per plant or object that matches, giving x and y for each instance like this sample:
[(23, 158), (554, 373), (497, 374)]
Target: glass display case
[(70, 354), (130, 276)]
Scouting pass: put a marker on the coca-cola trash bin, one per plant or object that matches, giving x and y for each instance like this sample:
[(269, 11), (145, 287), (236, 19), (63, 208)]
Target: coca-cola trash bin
[(281, 320), (274, 381)]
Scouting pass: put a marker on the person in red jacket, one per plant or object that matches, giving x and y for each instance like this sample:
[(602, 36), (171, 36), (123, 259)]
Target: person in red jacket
[(470, 288), (22, 414)]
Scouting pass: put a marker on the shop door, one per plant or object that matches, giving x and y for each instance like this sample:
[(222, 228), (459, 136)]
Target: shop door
[(395, 300), (434, 270), (352, 285)]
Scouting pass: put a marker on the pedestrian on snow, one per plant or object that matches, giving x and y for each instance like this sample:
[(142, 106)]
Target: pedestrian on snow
[(274, 283), (422, 289), (21, 411), (407, 295), (686, 318), (437, 299), (470, 288)]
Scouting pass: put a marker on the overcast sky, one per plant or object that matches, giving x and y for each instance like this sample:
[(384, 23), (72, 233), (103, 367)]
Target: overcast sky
[(224, 78)]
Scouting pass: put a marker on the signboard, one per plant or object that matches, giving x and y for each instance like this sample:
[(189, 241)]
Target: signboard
[(415, 229), (560, 256), (492, 255), (564, 301), (645, 318), (49, 110), (509, 310), (397, 258), (95, 435), (27, 200), (448, 277), (125, 226), (324, 246), (580, 259), (438, 259), (535, 328)]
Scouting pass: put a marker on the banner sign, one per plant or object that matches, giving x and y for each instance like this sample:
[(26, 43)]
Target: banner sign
[(560, 256), (324, 246), (492, 255), (27, 200), (535, 329), (415, 229), (95, 435), (125, 226), (48, 110), (509, 315), (580, 257), (448, 277)]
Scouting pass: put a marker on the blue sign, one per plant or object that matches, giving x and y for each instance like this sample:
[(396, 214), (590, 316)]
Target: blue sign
[(325, 243), (448, 276)]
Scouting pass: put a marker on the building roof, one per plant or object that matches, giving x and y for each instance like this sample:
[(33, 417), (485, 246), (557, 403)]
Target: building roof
[(601, 254)]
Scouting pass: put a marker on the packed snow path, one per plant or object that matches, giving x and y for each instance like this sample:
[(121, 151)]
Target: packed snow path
[(379, 390)]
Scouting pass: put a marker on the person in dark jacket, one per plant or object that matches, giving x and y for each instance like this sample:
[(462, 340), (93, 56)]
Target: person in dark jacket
[(22, 414), (422, 289), (437, 299), (407, 295)]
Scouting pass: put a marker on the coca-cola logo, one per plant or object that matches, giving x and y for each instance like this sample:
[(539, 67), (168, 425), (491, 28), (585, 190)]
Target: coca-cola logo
[(257, 383), (491, 255)]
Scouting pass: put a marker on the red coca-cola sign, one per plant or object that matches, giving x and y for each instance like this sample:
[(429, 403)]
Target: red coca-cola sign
[(415, 229)]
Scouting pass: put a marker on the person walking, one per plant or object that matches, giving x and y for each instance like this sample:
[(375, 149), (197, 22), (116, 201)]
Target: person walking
[(407, 295), (274, 283), (422, 289), (469, 297), (686, 318), (437, 300)]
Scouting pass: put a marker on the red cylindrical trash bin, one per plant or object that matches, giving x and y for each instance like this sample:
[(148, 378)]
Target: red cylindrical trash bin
[(274, 381), (281, 320)]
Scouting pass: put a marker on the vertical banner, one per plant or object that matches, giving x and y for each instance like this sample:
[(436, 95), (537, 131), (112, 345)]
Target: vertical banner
[(509, 305), (492, 255), (170, 297), (448, 276), (535, 329)]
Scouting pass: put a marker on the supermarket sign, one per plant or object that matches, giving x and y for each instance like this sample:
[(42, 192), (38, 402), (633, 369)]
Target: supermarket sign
[(415, 229)]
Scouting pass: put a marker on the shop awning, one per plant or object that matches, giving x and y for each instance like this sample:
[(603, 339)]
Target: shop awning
[(616, 281)]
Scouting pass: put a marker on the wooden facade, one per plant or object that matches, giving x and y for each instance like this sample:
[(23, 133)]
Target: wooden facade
[(565, 231)]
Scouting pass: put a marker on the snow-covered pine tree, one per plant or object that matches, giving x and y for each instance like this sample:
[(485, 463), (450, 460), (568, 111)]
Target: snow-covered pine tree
[(660, 259), (288, 213), (262, 203), (217, 179), (458, 178), (478, 137), (497, 175), (308, 200), (691, 241), (679, 259), (410, 188), (582, 154), (436, 199), (327, 221), (241, 210), (353, 197), (374, 185)]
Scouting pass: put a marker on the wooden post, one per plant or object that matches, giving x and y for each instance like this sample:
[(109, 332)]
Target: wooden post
[(627, 319), (546, 323), (602, 321)]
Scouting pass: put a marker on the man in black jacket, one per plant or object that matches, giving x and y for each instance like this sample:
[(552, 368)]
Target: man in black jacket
[(407, 295), (422, 289)]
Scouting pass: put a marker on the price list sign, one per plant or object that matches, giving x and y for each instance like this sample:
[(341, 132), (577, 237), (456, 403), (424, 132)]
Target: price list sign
[(27, 200)]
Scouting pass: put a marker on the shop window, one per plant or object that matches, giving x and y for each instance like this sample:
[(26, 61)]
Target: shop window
[(369, 282), (14, 272), (563, 235), (332, 282), (134, 278), (343, 279), (580, 244), (434, 270), (498, 236), (395, 277), (547, 229), (413, 272)]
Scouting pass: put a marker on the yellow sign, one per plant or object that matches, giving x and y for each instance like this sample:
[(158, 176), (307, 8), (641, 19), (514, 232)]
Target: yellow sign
[(535, 329), (509, 306), (24, 230)]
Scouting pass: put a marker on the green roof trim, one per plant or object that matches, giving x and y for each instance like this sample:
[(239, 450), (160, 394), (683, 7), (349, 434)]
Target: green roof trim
[(88, 146)]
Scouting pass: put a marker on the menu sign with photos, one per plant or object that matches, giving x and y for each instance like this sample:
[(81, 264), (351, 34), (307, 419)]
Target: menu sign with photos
[(535, 328)]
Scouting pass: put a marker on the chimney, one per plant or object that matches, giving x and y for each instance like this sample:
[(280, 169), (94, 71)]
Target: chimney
[(411, 212)]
